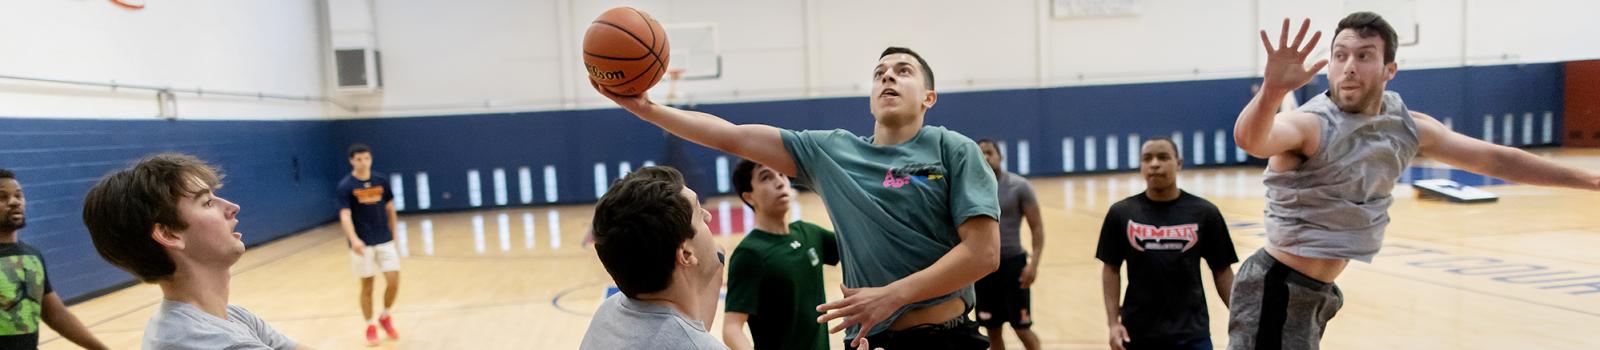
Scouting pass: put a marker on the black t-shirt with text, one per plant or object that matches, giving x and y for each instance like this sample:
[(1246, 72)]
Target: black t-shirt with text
[(1162, 243)]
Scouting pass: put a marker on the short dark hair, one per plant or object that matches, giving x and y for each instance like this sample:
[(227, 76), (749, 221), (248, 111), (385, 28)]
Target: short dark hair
[(1175, 150), (7, 174), (121, 210), (927, 71), (1368, 24), (638, 226), (357, 148), (743, 176), (992, 143)]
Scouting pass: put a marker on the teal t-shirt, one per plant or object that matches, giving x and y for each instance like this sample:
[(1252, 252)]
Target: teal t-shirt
[(895, 208)]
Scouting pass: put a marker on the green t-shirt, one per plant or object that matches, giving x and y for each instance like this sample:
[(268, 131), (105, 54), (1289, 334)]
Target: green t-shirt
[(23, 287), (896, 207), (777, 280)]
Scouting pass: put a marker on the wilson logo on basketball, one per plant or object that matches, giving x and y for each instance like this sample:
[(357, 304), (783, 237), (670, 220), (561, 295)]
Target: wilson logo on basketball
[(599, 75), (1147, 237)]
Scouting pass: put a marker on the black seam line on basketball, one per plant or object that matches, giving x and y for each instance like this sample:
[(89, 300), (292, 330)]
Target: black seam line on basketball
[(617, 58), (630, 34), (653, 38), (648, 47), (647, 25)]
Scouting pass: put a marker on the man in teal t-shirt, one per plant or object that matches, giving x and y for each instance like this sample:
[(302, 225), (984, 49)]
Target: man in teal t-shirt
[(775, 275), (915, 206)]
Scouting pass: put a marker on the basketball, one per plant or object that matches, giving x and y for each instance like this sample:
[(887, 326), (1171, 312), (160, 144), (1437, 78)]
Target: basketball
[(625, 51)]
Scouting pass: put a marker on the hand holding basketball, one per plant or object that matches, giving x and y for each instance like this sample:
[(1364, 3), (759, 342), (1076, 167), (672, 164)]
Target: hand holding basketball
[(1286, 68), (636, 104)]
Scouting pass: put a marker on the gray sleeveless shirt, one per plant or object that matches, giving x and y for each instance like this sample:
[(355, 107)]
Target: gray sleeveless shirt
[(1336, 203)]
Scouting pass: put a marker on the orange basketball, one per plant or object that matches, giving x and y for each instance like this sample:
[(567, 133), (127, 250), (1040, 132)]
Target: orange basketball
[(625, 51)]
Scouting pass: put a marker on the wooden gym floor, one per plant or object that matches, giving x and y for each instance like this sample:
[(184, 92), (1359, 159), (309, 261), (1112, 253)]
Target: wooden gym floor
[(1522, 273)]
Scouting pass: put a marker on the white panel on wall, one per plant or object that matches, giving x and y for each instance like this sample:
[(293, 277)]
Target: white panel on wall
[(1111, 153), (474, 188), (1135, 147), (499, 176), (550, 184), (424, 195), (820, 50), (397, 182), (271, 47), (1068, 155), (1024, 160), (1089, 162), (525, 184)]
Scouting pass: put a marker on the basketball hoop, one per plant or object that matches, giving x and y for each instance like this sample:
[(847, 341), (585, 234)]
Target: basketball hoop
[(673, 75)]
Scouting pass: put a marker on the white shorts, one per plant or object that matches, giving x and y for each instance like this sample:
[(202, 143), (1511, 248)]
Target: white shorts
[(383, 257)]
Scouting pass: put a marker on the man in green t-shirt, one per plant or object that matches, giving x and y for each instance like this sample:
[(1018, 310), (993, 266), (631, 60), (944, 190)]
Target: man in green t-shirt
[(775, 275), (26, 297), (915, 206)]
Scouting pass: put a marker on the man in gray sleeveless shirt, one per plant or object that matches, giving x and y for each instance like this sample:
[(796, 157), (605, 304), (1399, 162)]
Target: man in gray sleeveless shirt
[(1332, 165)]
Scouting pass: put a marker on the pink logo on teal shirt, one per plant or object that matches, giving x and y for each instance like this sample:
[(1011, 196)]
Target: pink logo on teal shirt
[(920, 172)]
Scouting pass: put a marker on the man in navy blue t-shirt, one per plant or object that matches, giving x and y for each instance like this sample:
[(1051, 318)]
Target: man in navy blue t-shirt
[(366, 212)]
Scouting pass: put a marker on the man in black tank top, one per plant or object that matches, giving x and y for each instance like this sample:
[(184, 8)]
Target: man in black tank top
[(1331, 165)]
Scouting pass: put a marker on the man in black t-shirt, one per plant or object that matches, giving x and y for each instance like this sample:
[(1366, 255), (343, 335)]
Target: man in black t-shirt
[(367, 216), (1162, 234)]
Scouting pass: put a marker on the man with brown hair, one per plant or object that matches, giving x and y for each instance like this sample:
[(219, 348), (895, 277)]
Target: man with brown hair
[(651, 236), (1332, 165), (161, 221)]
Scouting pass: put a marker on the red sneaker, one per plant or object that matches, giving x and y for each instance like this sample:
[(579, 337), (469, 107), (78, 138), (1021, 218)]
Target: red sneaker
[(388, 327), (372, 335)]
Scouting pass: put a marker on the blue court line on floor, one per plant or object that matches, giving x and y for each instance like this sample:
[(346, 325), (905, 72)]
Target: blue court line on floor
[(1370, 268), (1460, 288), (556, 300)]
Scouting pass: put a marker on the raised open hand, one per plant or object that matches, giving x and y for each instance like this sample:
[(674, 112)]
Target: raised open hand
[(1286, 62)]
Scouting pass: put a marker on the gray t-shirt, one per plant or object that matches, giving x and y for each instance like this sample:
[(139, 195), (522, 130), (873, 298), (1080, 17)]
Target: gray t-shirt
[(1015, 194), (1336, 204), (624, 323), (180, 326), (896, 207)]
